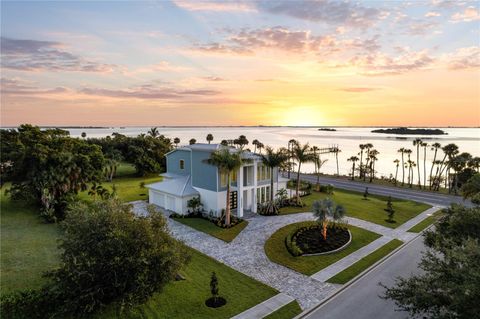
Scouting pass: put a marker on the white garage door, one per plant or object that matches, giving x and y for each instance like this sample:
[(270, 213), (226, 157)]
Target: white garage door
[(170, 203), (157, 198)]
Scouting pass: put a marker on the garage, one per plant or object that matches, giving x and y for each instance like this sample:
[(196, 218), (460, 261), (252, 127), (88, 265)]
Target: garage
[(172, 194)]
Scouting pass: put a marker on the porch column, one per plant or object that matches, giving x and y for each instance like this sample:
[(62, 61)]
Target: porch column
[(254, 200), (240, 193)]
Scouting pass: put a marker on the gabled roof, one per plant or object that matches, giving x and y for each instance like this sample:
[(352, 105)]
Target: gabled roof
[(176, 185)]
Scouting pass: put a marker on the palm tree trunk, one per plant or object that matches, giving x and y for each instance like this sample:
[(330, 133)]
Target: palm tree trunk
[(396, 174), (431, 169), (440, 172), (361, 167), (271, 184), (418, 166), (424, 167), (403, 171), (336, 157), (298, 182), (227, 209), (353, 171), (324, 229)]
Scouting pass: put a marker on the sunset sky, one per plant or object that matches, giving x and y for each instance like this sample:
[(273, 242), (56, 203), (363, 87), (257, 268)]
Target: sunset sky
[(240, 63)]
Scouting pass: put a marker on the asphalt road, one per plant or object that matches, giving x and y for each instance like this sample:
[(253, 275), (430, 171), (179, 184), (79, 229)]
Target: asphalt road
[(416, 195), (360, 300)]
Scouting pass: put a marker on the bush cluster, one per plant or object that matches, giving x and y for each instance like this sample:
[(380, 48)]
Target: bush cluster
[(218, 221), (327, 189)]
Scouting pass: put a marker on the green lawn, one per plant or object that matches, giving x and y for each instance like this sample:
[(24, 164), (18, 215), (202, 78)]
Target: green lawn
[(186, 299), (286, 312), (355, 269), (203, 225), (127, 184), (28, 245), (426, 222), (371, 210), (28, 248), (277, 251)]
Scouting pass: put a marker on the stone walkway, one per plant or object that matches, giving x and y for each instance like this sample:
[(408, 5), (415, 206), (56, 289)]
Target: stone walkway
[(246, 252)]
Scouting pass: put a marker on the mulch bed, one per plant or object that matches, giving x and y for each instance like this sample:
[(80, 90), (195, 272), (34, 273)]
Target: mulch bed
[(310, 240)]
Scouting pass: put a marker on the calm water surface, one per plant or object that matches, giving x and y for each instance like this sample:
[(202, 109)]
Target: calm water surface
[(347, 139)]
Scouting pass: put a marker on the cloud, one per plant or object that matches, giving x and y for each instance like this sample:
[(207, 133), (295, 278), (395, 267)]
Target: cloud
[(217, 48), (358, 89), (469, 14), (432, 14), (331, 12), (149, 92), (419, 27), (464, 58), (214, 6), (14, 86), (213, 78), (35, 55), (379, 64)]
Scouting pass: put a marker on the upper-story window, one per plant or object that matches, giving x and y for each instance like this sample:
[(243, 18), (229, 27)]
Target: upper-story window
[(263, 172), (224, 177), (182, 164)]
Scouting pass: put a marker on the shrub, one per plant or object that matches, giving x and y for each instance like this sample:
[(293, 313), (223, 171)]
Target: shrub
[(291, 245), (195, 204), (327, 189)]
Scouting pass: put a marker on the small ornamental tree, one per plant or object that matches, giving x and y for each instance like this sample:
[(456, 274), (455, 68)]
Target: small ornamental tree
[(214, 286), (390, 211), (366, 193), (325, 209)]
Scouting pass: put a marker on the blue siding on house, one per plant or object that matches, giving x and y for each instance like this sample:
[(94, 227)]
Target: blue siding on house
[(173, 162), (204, 175)]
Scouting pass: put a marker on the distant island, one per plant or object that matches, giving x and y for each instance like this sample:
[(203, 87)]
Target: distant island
[(410, 131), (327, 129)]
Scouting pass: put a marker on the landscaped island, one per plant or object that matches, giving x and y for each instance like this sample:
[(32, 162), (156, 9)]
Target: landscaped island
[(411, 131)]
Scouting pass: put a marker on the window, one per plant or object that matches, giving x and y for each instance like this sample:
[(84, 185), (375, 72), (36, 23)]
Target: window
[(234, 176), (223, 180), (182, 164)]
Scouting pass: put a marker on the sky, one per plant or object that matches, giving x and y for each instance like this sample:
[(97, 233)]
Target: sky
[(153, 63)]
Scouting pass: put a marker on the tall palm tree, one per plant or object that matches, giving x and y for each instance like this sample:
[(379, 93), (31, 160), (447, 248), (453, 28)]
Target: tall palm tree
[(362, 147), (192, 141), (435, 147), (372, 155), (255, 143), (227, 163), (449, 150), (153, 132), (301, 154), (424, 145), (336, 151), (272, 159), (474, 163), (459, 163), (397, 163), (290, 147), (176, 140), (402, 151), (260, 147), (353, 159), (209, 138), (418, 142), (325, 209), (367, 146), (409, 164)]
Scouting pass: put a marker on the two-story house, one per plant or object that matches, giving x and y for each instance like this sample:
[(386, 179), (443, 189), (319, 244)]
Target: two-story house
[(189, 175)]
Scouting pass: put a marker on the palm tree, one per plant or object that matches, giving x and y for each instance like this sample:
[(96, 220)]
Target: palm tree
[(362, 147), (84, 134), (301, 153), (192, 141), (314, 149), (435, 147), (397, 163), (255, 143), (273, 159), (367, 146), (424, 145), (449, 150), (418, 142), (402, 150), (260, 147), (242, 141), (153, 132), (325, 209), (209, 138), (474, 163), (459, 163), (176, 140), (372, 155), (227, 163), (336, 150), (224, 143), (409, 163), (290, 147), (353, 159)]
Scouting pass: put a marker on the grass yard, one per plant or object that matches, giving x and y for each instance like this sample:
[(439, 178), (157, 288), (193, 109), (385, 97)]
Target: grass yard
[(186, 299), (203, 225), (127, 184), (426, 222), (371, 210), (286, 312), (277, 251), (28, 245), (29, 248), (354, 270)]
